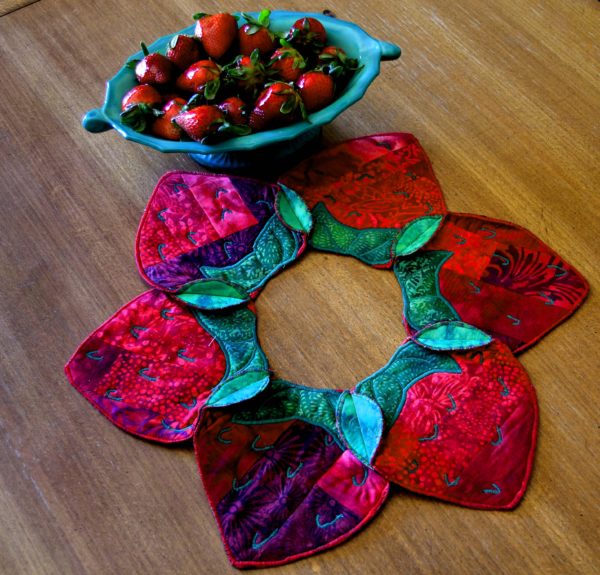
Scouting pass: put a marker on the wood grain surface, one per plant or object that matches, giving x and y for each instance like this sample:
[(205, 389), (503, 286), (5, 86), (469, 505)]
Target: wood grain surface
[(503, 96)]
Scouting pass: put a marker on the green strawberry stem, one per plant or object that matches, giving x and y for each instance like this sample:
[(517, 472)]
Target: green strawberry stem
[(144, 49)]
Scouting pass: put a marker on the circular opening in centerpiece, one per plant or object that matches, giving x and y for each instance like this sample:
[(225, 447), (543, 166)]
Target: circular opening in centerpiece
[(330, 321)]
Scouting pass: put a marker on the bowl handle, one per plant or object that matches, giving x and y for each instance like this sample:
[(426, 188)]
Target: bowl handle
[(95, 121), (389, 51)]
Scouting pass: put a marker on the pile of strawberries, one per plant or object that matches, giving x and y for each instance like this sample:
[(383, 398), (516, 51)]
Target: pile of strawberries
[(229, 81)]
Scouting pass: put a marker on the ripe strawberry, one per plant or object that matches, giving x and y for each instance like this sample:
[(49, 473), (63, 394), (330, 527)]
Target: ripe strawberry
[(234, 109), (217, 33), (336, 63), (287, 63), (307, 33), (139, 105), (199, 123), (201, 78), (255, 35), (164, 127), (316, 89), (277, 105), (142, 94), (183, 51), (152, 68), (247, 73)]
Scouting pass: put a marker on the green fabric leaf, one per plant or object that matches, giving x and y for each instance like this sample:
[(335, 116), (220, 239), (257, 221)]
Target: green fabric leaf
[(292, 210), (452, 335), (361, 422), (283, 401), (418, 276), (370, 245), (274, 247), (239, 388), (410, 363), (416, 234), (235, 332), (211, 294)]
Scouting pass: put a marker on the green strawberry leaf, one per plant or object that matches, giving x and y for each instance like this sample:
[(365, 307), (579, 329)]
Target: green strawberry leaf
[(416, 234), (360, 422), (199, 15), (292, 210), (240, 388), (211, 88), (288, 106), (263, 17), (211, 294), (451, 335), (131, 64), (144, 49)]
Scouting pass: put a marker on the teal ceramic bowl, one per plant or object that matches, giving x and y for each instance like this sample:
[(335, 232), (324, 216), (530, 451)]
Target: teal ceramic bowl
[(267, 146)]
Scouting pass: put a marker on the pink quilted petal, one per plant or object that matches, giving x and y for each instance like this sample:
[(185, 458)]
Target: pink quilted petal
[(378, 181), (149, 368), (282, 491), (468, 437), (491, 274), (196, 224)]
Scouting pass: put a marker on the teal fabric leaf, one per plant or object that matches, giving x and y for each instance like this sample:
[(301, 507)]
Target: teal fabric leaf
[(418, 276), (370, 245), (239, 388), (361, 424), (293, 211), (416, 234), (235, 332), (411, 363), (452, 335), (274, 247), (284, 401), (211, 294)]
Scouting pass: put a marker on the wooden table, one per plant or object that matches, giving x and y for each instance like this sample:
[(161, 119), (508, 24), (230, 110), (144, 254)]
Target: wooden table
[(504, 97)]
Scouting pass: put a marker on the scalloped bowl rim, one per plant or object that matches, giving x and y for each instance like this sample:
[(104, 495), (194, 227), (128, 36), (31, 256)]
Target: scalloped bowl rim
[(369, 55)]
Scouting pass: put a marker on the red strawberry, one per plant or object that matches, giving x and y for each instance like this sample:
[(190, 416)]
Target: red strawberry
[(277, 105), (201, 78), (307, 32), (183, 51), (336, 62), (316, 89), (139, 105), (152, 68), (234, 109), (217, 33), (142, 94), (199, 123), (287, 63), (248, 73), (164, 127), (255, 35)]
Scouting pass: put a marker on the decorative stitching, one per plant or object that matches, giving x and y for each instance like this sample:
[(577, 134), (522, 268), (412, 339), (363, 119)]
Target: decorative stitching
[(189, 405), (363, 480), (291, 474), (164, 313), (491, 234), (549, 299), (142, 373), (134, 330), (452, 483), (160, 249), (220, 435), (192, 240), (236, 487), (433, 435), (255, 447), (476, 288), (94, 355), (500, 438), (179, 430), (515, 320), (505, 390), (453, 408), (328, 523), (257, 545), (504, 261), (558, 268), (109, 395), (181, 355), (160, 216), (494, 490)]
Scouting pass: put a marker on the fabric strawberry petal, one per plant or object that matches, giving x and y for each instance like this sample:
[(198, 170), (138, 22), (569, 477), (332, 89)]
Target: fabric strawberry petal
[(466, 437), (493, 275), (281, 490), (199, 226), (451, 335), (149, 368), (363, 191)]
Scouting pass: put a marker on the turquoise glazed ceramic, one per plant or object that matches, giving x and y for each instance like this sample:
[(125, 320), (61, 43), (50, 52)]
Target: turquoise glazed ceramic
[(269, 146)]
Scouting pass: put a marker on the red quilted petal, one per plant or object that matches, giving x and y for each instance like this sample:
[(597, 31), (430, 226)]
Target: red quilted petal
[(468, 438), (500, 278), (378, 181), (282, 491), (149, 368), (196, 220)]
